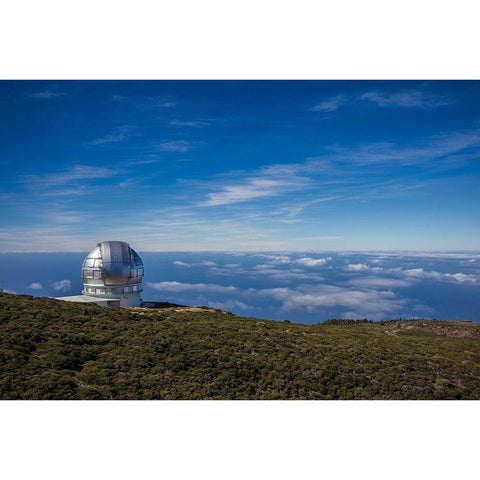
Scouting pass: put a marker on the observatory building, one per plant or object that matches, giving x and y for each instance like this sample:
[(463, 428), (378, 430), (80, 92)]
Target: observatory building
[(112, 276)]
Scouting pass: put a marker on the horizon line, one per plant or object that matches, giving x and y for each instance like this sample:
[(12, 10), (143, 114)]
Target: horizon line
[(268, 251)]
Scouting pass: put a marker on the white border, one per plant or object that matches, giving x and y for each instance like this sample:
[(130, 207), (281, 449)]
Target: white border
[(238, 440), (247, 39)]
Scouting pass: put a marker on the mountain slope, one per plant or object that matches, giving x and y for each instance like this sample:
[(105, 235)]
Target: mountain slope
[(59, 350)]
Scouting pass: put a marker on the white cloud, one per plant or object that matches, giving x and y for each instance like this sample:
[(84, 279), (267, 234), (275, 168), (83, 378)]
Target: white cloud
[(273, 268), (275, 259), (335, 174), (62, 192), (361, 295), (198, 123), (177, 287), (35, 286), (408, 276), (76, 173), (434, 147), (356, 267), (122, 134), (180, 264), (144, 102), (204, 263), (289, 214), (175, 146), (405, 99), (251, 189), (464, 278), (323, 238), (49, 238), (62, 285), (312, 262), (229, 270), (48, 93), (410, 98), (281, 275), (423, 254), (269, 181), (368, 303), (449, 277), (378, 282), (66, 217), (331, 104)]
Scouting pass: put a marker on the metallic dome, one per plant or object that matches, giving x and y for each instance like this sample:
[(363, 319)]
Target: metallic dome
[(113, 270)]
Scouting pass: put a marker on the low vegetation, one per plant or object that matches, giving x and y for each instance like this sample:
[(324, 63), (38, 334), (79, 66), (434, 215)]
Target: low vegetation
[(58, 350)]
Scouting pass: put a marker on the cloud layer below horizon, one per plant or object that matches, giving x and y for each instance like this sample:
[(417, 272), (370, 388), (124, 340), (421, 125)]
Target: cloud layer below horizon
[(301, 287)]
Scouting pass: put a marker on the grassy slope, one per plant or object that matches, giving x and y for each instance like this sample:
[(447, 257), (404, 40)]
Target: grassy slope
[(58, 350)]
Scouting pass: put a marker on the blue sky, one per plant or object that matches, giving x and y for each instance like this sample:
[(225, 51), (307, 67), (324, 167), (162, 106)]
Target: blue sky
[(240, 165)]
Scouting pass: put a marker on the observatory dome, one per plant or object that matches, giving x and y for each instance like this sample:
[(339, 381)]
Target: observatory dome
[(113, 270)]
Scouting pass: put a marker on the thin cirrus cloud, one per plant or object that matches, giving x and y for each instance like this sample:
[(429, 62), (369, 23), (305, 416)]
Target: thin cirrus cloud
[(291, 213), (403, 99), (331, 104), (47, 238), (451, 146), (279, 179), (269, 181), (250, 189), (121, 135), (174, 146), (143, 102), (66, 217), (47, 94), (408, 99), (190, 123), (76, 173)]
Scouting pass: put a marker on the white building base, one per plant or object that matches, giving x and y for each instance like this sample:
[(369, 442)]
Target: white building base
[(103, 302), (121, 300)]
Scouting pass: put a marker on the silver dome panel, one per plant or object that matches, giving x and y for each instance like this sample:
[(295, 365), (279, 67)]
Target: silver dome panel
[(116, 262)]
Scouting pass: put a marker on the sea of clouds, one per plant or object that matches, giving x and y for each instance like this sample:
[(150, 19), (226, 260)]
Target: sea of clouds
[(302, 287)]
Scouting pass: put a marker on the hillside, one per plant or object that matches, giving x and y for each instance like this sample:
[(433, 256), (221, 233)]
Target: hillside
[(58, 350)]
